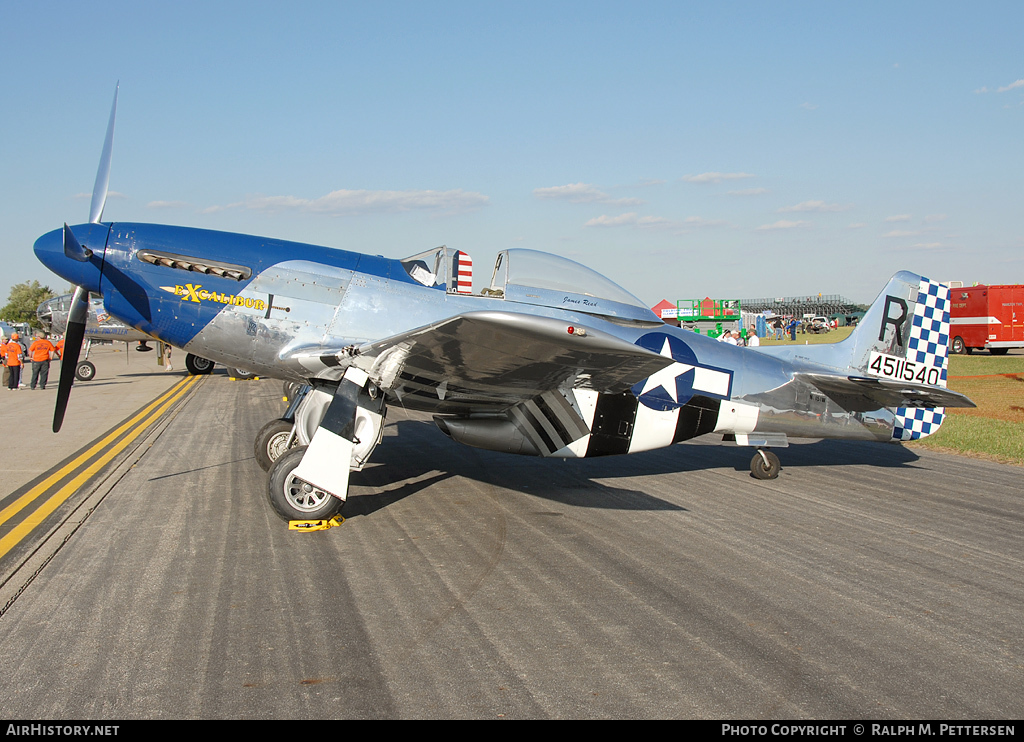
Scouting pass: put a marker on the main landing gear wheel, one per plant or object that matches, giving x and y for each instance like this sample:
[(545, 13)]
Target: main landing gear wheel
[(198, 366), (765, 465), (272, 441), (240, 373), (294, 499), (85, 371)]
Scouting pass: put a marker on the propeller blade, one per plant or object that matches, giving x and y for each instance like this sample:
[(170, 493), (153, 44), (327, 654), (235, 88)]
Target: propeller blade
[(99, 190), (72, 349), (73, 248)]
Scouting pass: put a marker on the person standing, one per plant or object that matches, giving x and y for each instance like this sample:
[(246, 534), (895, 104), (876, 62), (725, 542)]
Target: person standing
[(12, 358), (753, 341), (3, 358), (41, 351)]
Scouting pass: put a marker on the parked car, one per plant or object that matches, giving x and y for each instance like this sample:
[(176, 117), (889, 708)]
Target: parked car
[(819, 325)]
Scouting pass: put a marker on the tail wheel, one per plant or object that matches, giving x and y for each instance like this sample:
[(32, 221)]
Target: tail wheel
[(198, 366), (85, 371), (240, 373), (765, 465), (295, 499)]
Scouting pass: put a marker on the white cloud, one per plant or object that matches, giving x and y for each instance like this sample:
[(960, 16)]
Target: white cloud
[(612, 221), (715, 177), (902, 233), (1012, 86), (933, 218), (819, 206), (748, 192), (858, 225), (898, 218), (166, 205), (808, 106), (699, 221), (341, 202), (781, 224), (583, 193), (632, 219)]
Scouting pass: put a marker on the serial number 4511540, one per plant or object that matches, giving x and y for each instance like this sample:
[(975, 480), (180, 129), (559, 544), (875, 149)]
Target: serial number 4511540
[(902, 369)]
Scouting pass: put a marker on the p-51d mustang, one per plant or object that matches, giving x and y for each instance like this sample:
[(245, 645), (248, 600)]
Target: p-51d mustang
[(552, 359)]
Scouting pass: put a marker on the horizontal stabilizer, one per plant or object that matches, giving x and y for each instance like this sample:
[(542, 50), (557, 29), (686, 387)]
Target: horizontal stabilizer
[(863, 394)]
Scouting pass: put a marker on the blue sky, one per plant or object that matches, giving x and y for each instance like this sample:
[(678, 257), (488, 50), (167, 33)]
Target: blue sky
[(683, 149)]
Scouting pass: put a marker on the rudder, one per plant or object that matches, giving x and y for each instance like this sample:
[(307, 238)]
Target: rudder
[(904, 336), (928, 345)]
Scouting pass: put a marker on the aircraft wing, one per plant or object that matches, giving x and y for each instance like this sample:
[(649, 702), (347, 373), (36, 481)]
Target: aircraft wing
[(489, 359), (865, 393)]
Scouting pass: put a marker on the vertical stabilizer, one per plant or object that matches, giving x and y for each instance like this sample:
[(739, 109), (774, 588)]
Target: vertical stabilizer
[(905, 337)]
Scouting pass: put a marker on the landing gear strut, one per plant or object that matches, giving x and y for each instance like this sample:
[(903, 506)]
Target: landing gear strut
[(335, 432), (765, 465)]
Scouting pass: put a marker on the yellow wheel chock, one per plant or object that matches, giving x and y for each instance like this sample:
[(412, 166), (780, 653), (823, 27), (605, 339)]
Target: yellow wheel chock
[(315, 525)]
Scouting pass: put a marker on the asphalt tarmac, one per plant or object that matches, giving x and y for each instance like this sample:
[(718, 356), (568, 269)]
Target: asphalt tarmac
[(125, 380), (867, 582)]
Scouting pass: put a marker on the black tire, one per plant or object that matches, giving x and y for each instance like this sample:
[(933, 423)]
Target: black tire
[(998, 351), (240, 373), (85, 371), (957, 346), (289, 496), (271, 442), (198, 366), (759, 470), (291, 388)]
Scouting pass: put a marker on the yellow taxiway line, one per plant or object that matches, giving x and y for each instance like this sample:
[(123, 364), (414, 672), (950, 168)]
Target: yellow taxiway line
[(136, 426)]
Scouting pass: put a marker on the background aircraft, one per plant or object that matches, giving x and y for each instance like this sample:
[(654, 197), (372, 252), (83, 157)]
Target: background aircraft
[(552, 359), (100, 325)]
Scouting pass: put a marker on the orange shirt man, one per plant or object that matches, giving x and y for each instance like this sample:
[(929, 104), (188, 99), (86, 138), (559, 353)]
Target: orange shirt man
[(3, 359), (12, 358), (39, 352), (41, 349), (13, 351)]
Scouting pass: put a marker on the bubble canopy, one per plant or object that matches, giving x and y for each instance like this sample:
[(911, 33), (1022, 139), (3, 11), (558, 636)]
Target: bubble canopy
[(534, 277)]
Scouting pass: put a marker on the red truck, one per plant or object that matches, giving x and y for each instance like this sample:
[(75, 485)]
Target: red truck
[(990, 317)]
